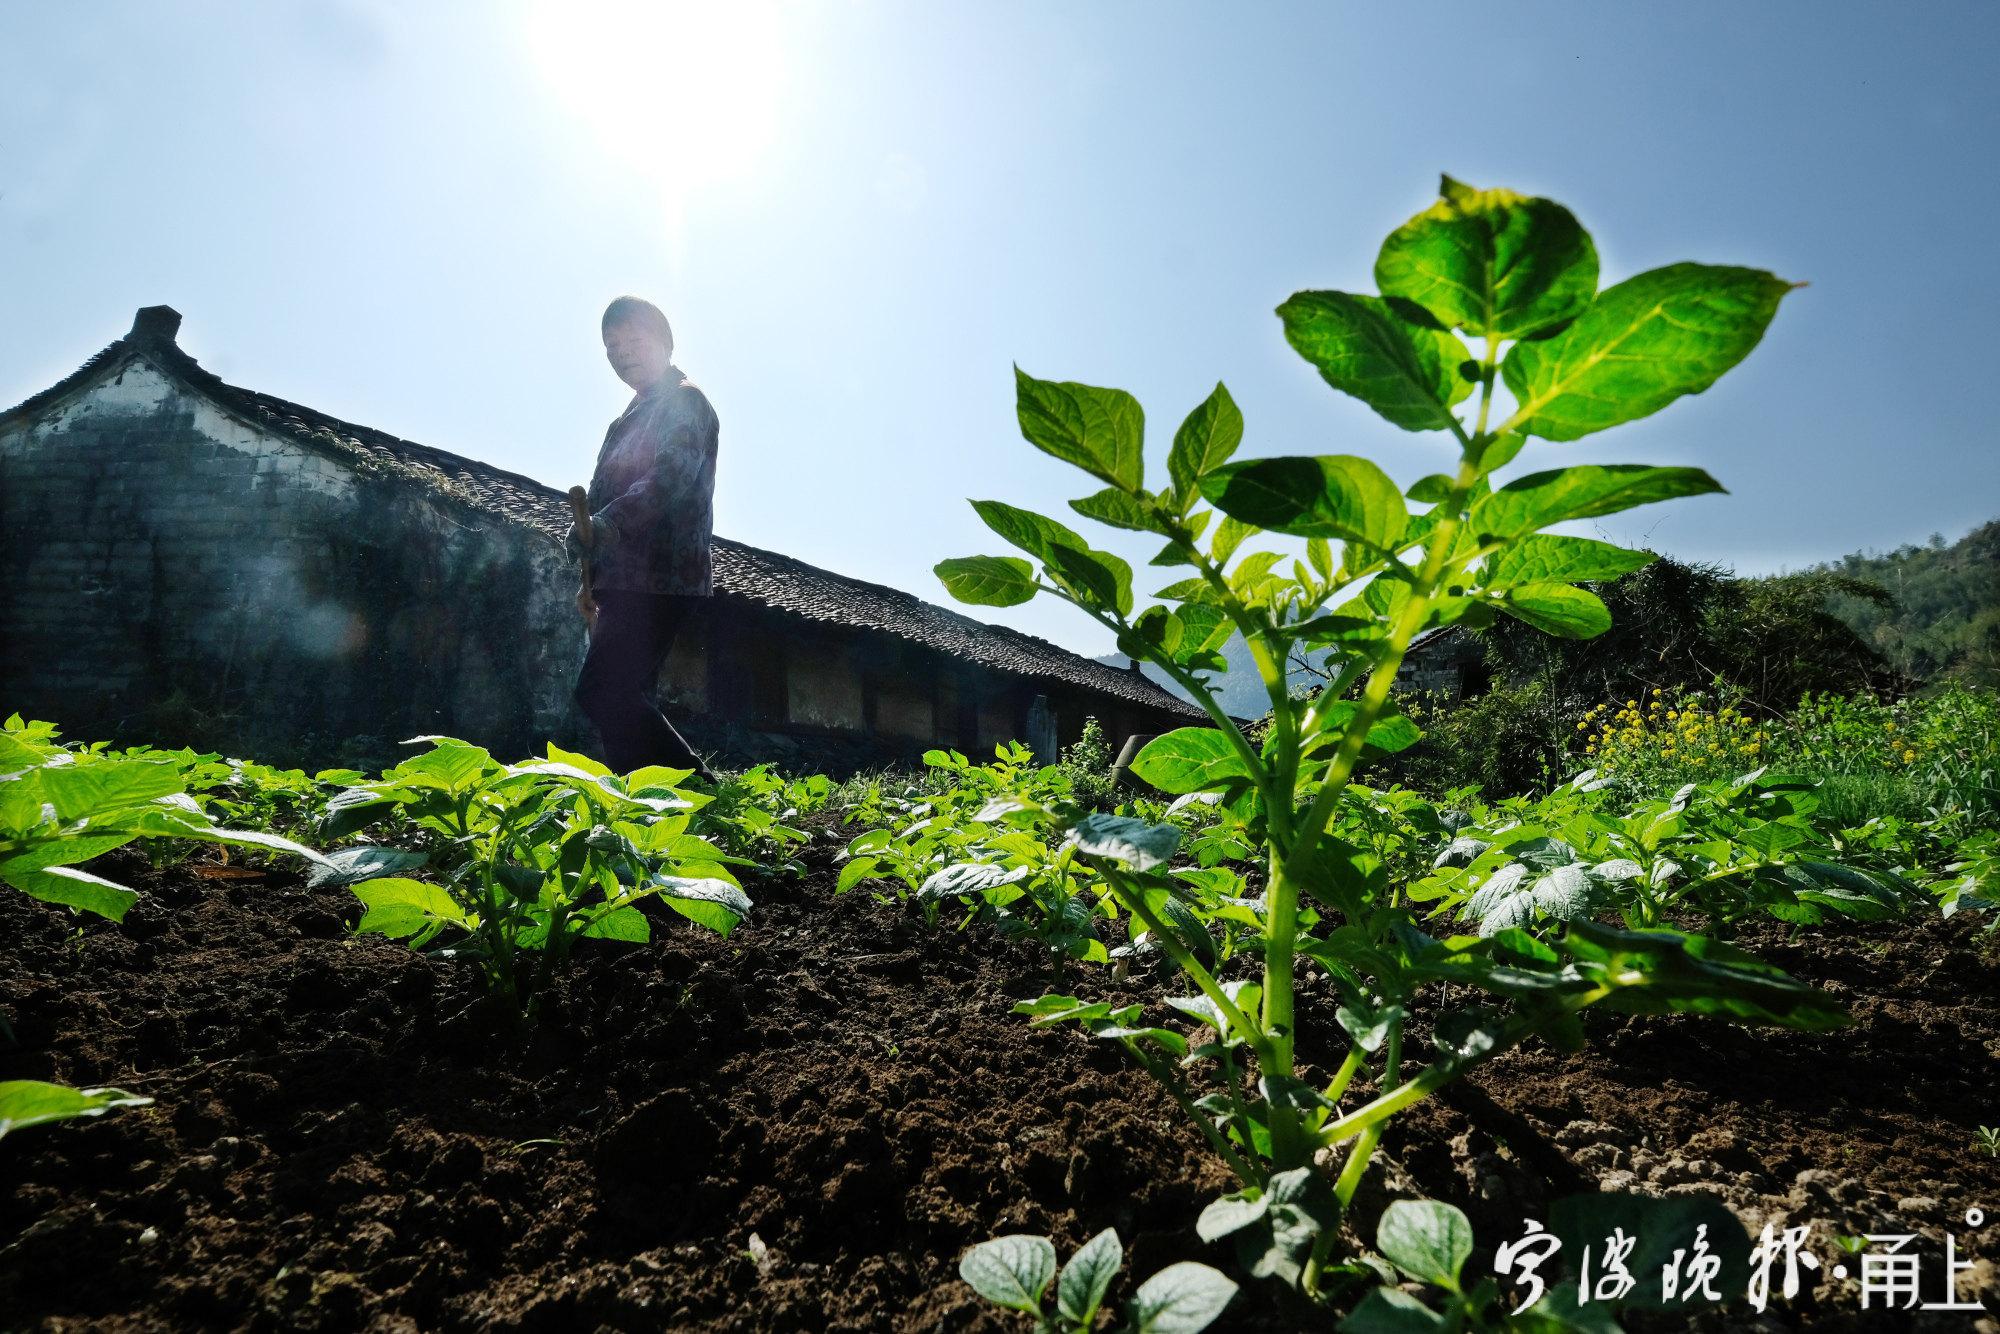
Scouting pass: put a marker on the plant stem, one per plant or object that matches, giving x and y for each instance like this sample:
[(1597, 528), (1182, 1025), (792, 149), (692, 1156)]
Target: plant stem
[(1135, 903), (1437, 1076), (1364, 1148), (1344, 1076)]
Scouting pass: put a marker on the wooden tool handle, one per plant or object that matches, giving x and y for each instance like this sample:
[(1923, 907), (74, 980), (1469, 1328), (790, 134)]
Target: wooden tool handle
[(579, 505)]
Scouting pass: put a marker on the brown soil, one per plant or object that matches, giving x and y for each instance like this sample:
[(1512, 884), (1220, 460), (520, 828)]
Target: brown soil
[(347, 1137)]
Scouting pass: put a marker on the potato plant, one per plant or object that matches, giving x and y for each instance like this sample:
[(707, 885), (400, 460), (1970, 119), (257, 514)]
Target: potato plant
[(529, 858), (61, 807), (1722, 850), (752, 813), (1015, 1273), (1555, 359)]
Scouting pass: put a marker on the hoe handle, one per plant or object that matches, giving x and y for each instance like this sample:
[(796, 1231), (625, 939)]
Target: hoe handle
[(579, 505)]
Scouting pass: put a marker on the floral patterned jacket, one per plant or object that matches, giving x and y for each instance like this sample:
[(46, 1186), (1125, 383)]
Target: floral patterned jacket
[(652, 496)]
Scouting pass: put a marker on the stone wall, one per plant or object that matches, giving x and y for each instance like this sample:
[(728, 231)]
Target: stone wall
[(177, 576)]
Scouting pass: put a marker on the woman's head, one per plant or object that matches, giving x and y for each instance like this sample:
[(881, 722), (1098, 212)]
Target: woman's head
[(638, 341)]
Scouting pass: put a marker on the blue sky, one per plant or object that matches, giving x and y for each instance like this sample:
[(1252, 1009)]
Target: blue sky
[(858, 215)]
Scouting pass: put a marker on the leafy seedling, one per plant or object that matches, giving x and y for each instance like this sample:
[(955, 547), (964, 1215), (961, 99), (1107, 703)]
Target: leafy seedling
[(1015, 1273)]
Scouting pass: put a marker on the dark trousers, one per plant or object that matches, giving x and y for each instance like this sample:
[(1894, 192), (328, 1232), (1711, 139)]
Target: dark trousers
[(615, 689)]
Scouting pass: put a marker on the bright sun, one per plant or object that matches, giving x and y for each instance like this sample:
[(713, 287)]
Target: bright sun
[(687, 91)]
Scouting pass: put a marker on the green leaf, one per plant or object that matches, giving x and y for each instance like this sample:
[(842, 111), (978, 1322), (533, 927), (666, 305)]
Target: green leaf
[(706, 901), (1183, 1298), (399, 908), (69, 887), (1491, 262), (962, 878), (1333, 496), (1012, 1271), (353, 809), (1101, 431), (1842, 889), (16, 754), (1368, 1028), (1205, 441), (1546, 558), (1033, 533), (167, 819), (351, 865), (1194, 629), (1428, 1240), (1392, 1311), (1119, 509), (1407, 373), (1254, 572), (855, 872), (1499, 450), (988, 581), (451, 765), (1138, 844), (1514, 896), (1585, 491), (557, 756), (1430, 490), (1243, 995), (1094, 576), (1328, 722), (1164, 1038), (1558, 609), (1301, 1206), (1190, 759), (1230, 1214), (1640, 346), (1052, 1009), (31, 1102), (95, 787), (1230, 534), (624, 923), (655, 777), (1087, 1277), (1660, 972)]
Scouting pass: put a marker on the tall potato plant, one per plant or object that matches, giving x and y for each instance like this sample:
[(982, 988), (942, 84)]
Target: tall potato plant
[(1551, 358)]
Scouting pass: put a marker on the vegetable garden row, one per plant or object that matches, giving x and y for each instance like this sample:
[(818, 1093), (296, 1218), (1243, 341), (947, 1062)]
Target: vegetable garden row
[(1275, 986)]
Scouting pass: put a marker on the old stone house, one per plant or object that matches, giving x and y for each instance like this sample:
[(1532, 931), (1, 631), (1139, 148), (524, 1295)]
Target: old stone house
[(1445, 663), (186, 561)]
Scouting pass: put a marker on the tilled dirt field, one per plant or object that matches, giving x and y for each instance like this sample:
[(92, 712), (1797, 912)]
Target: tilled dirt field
[(801, 1128)]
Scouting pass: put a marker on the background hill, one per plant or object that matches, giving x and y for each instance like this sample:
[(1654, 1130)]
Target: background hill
[(1940, 619), (1944, 616)]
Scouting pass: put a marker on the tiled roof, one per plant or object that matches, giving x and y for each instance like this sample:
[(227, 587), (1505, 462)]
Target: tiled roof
[(1443, 637), (762, 577)]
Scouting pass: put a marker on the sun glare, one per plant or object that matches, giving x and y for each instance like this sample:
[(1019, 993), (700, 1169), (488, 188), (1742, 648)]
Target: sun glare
[(686, 93)]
